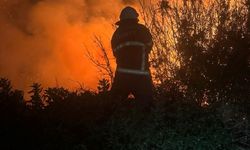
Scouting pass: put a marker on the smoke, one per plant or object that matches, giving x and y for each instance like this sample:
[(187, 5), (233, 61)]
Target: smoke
[(43, 41)]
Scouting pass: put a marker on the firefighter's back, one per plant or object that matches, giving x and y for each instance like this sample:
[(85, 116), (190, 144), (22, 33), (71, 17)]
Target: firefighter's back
[(129, 45)]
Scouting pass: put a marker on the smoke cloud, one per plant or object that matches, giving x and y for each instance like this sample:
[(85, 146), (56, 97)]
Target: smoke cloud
[(43, 41)]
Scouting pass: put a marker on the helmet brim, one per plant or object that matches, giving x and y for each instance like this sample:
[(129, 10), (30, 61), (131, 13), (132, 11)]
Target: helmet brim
[(119, 22)]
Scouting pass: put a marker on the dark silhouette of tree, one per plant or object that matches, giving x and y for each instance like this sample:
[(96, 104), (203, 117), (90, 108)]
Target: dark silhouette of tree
[(80, 119), (36, 96), (5, 86), (55, 95), (103, 62), (11, 101), (103, 86), (201, 47)]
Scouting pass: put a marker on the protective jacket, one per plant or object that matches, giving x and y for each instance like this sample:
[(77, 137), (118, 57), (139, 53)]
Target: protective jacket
[(131, 44)]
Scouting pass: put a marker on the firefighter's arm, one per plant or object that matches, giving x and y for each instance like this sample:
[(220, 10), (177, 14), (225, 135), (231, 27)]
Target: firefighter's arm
[(149, 42), (113, 43), (149, 46)]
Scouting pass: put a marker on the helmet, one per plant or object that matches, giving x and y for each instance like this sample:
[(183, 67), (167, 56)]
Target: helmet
[(128, 13)]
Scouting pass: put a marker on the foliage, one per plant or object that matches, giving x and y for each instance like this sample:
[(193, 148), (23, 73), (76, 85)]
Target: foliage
[(103, 86), (81, 119), (36, 98), (202, 47)]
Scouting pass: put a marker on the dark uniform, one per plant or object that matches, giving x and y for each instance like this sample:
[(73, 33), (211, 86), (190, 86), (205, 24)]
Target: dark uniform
[(131, 44)]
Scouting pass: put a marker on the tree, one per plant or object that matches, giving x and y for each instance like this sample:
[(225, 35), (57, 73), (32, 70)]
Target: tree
[(200, 46), (103, 86), (5, 86), (8, 96), (104, 62), (11, 102), (56, 95), (36, 97)]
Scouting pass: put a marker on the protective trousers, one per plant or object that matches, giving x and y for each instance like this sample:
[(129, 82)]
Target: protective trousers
[(139, 85)]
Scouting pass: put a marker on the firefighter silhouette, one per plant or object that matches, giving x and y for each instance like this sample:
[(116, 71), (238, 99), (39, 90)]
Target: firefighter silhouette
[(131, 45)]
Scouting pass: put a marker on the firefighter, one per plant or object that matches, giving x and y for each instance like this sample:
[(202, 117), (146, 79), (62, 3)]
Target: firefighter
[(131, 44)]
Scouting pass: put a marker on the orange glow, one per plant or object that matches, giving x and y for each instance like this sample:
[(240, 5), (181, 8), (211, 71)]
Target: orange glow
[(44, 41)]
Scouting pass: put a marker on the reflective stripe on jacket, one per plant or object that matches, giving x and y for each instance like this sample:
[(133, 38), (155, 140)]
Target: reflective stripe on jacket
[(131, 45), (140, 71)]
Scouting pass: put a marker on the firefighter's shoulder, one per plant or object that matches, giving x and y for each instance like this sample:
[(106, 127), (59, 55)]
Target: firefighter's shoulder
[(143, 27)]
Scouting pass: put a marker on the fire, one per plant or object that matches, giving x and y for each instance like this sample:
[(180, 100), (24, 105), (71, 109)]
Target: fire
[(44, 41)]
